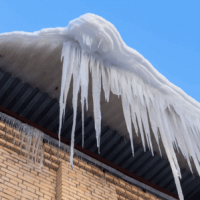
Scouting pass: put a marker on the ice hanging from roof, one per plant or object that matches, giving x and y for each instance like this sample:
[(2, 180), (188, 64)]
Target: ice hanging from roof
[(26, 135), (149, 100)]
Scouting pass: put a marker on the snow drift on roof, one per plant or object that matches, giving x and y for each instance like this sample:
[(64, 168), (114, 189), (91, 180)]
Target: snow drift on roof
[(92, 45)]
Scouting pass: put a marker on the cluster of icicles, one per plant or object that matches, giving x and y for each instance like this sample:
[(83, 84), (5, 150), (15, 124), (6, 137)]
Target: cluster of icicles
[(31, 140), (143, 106), (25, 134)]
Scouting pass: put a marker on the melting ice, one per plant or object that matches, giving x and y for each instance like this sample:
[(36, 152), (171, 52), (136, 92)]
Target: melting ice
[(148, 98)]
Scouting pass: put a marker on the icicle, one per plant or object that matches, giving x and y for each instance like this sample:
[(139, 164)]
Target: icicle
[(28, 145), (105, 83), (171, 155), (66, 79), (35, 139), (28, 136), (22, 140), (127, 112), (96, 90), (83, 126), (84, 86), (137, 111), (153, 123), (76, 85), (41, 158)]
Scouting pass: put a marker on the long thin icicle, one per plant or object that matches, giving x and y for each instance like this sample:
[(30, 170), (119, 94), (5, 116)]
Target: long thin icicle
[(76, 85), (66, 78), (84, 86), (96, 91)]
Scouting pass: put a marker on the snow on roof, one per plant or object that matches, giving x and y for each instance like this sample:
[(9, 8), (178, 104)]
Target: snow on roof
[(93, 46)]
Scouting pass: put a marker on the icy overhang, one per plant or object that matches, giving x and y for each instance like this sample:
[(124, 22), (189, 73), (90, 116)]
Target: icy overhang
[(154, 109)]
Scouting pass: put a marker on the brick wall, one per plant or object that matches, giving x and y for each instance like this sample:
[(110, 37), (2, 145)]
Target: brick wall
[(57, 180), (19, 181), (81, 184)]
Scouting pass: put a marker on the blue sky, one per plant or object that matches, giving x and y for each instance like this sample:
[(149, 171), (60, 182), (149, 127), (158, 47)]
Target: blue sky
[(165, 32)]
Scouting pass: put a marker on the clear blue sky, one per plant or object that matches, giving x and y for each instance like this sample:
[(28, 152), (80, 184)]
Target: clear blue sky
[(167, 33)]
